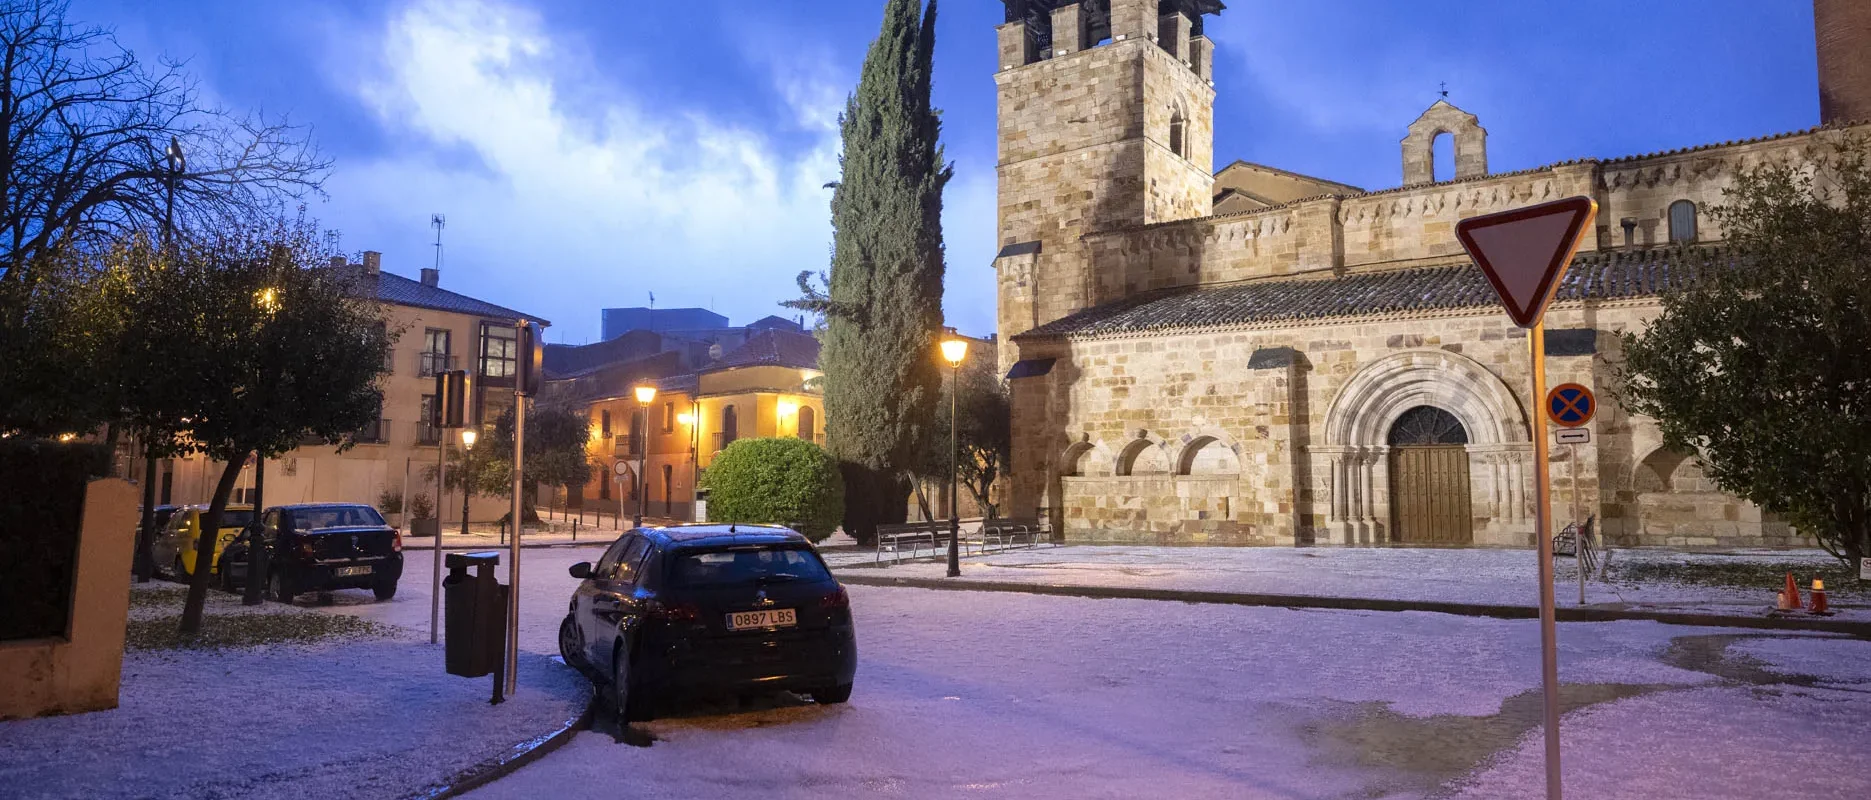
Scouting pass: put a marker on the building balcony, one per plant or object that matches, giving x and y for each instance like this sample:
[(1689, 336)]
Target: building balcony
[(377, 432), (626, 446), (428, 435), (428, 364)]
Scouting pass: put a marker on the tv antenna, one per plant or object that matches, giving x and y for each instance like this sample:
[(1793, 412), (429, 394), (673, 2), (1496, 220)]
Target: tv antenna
[(438, 221)]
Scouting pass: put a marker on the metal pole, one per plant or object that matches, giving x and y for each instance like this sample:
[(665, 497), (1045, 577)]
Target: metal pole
[(465, 452), (954, 471), (146, 532), (642, 450), (1542, 533), (256, 551), (513, 545), (1579, 542), (435, 575)]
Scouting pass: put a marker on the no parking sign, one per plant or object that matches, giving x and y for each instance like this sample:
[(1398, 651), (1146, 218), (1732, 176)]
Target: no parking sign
[(1570, 405)]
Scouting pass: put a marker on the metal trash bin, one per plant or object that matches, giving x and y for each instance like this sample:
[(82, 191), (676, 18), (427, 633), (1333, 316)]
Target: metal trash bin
[(475, 620)]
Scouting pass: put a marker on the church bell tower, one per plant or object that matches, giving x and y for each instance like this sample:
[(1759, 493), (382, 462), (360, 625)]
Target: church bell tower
[(1106, 120)]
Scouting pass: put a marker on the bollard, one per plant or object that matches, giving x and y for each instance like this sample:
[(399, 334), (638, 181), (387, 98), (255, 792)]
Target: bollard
[(581, 518)]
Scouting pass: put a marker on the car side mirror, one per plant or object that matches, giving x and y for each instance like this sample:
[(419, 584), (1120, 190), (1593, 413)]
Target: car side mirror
[(581, 570)]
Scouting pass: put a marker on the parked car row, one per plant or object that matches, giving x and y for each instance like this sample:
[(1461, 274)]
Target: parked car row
[(311, 547)]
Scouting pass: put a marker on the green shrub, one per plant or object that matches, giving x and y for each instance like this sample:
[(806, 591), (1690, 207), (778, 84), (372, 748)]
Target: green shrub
[(789, 482)]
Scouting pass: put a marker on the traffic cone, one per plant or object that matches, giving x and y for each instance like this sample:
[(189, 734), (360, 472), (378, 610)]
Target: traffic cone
[(1819, 597), (1792, 593)]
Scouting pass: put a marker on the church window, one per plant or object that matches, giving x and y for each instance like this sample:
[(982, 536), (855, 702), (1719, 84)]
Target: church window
[(1682, 221), (1177, 138)]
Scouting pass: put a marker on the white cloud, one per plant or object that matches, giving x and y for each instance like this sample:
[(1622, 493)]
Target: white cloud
[(581, 208)]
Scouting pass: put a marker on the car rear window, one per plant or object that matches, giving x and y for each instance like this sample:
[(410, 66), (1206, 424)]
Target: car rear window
[(747, 565), (308, 519), (231, 518)]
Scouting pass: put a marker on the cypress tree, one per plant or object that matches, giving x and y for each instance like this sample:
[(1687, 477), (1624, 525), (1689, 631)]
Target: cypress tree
[(884, 296)]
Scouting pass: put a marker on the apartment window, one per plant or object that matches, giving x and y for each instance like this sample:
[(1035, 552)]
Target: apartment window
[(1682, 222), (668, 476), (436, 346), (669, 418), (500, 351), (604, 487), (604, 423), (426, 432), (637, 432), (730, 426)]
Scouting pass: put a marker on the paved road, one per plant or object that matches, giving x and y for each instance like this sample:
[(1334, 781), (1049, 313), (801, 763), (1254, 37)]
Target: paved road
[(1006, 695)]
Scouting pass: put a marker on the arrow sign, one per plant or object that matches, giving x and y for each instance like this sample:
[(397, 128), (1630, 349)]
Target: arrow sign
[(1524, 252)]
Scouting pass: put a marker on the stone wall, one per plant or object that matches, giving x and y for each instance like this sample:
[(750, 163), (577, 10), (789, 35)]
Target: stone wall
[(1304, 434)]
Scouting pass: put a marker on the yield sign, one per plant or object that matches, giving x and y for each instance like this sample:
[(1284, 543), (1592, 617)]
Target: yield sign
[(1525, 251)]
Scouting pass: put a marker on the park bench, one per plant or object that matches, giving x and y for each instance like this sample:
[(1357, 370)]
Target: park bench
[(1009, 532), (910, 534)]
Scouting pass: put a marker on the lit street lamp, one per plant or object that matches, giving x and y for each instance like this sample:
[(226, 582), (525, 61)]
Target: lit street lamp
[(467, 443), (644, 395), (953, 351)]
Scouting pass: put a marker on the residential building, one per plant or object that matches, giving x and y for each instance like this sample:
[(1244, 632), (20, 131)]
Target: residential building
[(769, 386), (439, 330)]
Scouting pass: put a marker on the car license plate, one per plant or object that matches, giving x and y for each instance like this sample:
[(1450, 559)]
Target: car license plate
[(771, 618), (346, 572)]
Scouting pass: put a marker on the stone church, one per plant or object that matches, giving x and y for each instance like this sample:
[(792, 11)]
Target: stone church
[(1254, 356)]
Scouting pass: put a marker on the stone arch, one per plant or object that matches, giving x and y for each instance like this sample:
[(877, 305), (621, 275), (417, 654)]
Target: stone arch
[(1370, 403), (1086, 458), (1146, 454), (1670, 471), (1471, 144), (1208, 455)]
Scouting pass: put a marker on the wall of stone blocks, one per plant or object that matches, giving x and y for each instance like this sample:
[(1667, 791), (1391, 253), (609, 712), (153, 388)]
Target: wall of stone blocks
[(1106, 396)]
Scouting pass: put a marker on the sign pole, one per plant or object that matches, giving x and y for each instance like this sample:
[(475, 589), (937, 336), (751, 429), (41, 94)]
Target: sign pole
[(435, 574), (1542, 534), (1578, 518)]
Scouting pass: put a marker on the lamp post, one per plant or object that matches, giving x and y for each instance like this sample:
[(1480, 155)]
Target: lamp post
[(689, 419), (146, 532), (467, 450), (257, 556), (644, 395), (953, 351)]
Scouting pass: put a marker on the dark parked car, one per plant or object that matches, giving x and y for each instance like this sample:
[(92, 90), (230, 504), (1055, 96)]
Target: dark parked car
[(318, 547), (699, 609)]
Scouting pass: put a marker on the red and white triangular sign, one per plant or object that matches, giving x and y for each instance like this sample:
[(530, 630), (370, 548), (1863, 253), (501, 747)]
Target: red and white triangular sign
[(1524, 252)]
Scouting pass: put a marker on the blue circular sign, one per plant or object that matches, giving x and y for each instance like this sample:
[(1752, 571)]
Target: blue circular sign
[(1570, 405)]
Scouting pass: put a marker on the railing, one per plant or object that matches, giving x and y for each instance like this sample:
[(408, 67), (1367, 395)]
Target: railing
[(624, 444), (428, 364), (427, 434), (376, 432), (723, 439)]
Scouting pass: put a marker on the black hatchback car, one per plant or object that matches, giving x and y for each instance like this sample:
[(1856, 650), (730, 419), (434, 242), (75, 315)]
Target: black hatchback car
[(318, 547), (699, 609)]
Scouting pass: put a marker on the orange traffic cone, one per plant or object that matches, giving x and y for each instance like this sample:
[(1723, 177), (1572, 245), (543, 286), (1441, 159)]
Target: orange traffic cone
[(1819, 597), (1792, 594)]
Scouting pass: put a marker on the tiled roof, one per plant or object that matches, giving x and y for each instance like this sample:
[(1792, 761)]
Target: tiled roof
[(776, 348), (394, 288), (1451, 287)]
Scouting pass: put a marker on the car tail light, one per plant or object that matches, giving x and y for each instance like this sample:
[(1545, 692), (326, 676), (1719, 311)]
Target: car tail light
[(396, 541), (836, 600), (674, 612)]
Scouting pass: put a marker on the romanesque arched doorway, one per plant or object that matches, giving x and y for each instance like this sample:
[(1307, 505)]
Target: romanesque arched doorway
[(1429, 499)]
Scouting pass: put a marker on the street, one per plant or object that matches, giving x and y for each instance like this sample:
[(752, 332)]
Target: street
[(964, 693)]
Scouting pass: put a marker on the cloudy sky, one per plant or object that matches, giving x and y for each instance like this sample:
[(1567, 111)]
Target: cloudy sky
[(589, 152)]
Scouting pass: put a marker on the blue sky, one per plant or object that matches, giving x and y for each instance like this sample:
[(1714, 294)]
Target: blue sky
[(587, 153)]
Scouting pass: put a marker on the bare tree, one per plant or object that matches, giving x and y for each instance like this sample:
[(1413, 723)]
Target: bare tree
[(85, 130)]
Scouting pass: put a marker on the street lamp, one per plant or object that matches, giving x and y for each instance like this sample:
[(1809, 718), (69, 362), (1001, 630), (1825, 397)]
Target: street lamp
[(644, 395), (146, 532), (954, 349), (467, 443)]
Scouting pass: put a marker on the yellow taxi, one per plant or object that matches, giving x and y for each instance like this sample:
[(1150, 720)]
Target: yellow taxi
[(175, 545)]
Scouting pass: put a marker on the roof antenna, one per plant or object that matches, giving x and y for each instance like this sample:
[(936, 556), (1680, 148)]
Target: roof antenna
[(730, 527), (438, 221)]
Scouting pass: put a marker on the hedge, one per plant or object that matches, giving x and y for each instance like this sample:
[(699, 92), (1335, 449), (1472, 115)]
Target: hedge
[(789, 482)]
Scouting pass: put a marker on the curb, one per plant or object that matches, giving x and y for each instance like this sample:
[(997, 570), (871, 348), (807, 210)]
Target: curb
[(511, 761), (476, 548), (1860, 629)]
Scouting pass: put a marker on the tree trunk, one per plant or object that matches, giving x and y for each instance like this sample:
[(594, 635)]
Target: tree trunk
[(204, 546)]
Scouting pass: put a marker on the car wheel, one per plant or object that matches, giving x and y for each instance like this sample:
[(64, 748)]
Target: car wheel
[(384, 590), (571, 644), (833, 696), (630, 705), (278, 587)]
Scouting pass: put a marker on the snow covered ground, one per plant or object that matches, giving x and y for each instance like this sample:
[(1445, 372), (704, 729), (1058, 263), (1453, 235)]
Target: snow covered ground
[(368, 717), (1472, 575), (1010, 695)]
